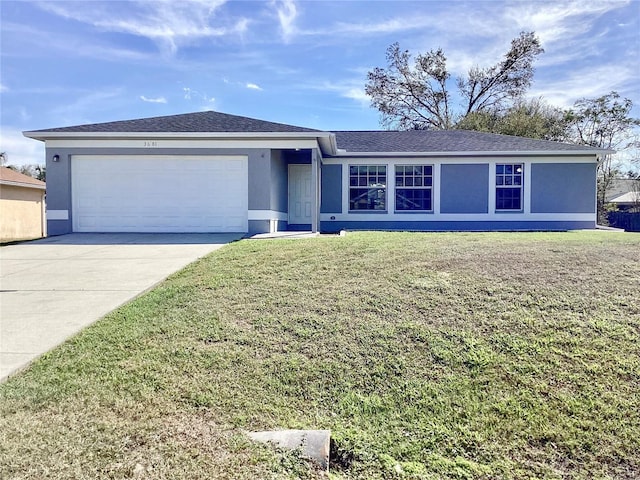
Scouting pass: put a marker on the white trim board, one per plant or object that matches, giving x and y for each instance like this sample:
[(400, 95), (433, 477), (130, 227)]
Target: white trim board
[(458, 217), (268, 215), (57, 214)]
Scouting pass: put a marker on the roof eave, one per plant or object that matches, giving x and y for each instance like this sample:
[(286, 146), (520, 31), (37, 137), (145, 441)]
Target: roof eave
[(326, 140), (476, 153), (23, 184), (51, 135)]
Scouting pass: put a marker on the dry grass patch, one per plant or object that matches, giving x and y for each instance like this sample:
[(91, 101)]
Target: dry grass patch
[(427, 355)]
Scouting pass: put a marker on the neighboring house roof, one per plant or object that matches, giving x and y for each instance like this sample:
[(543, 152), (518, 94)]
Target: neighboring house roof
[(187, 122), (446, 141), (619, 186), (17, 179), (629, 197)]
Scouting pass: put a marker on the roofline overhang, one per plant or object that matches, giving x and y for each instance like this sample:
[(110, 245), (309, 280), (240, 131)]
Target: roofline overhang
[(23, 184), (474, 153), (326, 140)]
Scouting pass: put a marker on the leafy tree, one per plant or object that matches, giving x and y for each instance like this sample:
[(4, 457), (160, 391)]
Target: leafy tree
[(417, 96), (603, 122), (525, 118)]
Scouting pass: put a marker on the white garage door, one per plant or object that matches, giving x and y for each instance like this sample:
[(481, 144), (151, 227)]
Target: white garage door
[(144, 193)]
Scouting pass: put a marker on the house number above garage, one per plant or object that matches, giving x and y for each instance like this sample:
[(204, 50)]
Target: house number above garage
[(150, 143)]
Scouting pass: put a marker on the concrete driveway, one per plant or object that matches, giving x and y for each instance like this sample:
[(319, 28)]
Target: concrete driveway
[(52, 288)]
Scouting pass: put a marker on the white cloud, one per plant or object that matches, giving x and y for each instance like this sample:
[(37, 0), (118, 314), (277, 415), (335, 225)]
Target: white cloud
[(587, 82), (3, 88), (253, 86), (89, 102), (352, 89), (19, 149), (558, 21), (287, 13), (190, 94), (169, 23), (153, 100), (356, 94)]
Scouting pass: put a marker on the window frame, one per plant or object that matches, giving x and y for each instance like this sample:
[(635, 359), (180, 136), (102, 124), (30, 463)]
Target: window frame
[(369, 187), (422, 176), (505, 177)]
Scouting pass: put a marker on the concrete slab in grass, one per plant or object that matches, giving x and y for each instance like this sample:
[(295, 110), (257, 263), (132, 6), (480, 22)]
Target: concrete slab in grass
[(313, 444)]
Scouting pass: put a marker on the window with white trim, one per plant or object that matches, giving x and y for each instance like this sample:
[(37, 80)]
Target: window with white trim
[(368, 187), (414, 188), (509, 186)]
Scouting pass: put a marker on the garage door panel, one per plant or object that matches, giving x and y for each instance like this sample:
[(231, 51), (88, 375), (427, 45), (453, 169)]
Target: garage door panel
[(159, 194)]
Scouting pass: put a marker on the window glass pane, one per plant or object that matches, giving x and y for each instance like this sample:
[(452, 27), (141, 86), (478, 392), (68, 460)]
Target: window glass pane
[(367, 187), (517, 180), (408, 181), (499, 169), (508, 199), (507, 179), (399, 182), (413, 199), (428, 169), (367, 199), (428, 181), (499, 180), (417, 181), (508, 169), (417, 170)]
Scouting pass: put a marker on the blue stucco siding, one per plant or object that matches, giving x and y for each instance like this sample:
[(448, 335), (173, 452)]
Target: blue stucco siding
[(331, 194), (464, 188), (279, 182), (59, 190), (459, 226), (563, 188), (59, 176)]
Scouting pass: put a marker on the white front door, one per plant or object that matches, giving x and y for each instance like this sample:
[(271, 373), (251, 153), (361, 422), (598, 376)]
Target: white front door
[(300, 194)]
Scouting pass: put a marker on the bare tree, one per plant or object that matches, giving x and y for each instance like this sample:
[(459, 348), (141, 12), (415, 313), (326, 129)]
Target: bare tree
[(417, 96)]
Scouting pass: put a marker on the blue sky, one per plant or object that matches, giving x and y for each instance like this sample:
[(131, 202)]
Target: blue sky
[(297, 62)]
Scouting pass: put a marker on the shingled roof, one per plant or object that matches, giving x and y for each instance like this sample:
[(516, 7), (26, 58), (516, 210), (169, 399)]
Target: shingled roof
[(372, 141), (11, 177), (188, 122), (445, 141)]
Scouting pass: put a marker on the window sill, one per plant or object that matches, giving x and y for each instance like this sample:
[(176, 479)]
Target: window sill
[(368, 212), (414, 212)]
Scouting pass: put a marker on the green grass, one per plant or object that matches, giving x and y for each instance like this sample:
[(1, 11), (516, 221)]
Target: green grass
[(429, 356)]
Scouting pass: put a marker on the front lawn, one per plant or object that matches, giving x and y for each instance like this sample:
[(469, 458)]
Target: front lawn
[(429, 356)]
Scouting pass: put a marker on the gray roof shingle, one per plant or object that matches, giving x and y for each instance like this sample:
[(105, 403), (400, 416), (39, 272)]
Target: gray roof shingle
[(188, 122), (373, 141), (445, 141)]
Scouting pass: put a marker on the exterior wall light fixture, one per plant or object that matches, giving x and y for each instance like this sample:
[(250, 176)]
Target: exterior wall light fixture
[(56, 158)]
